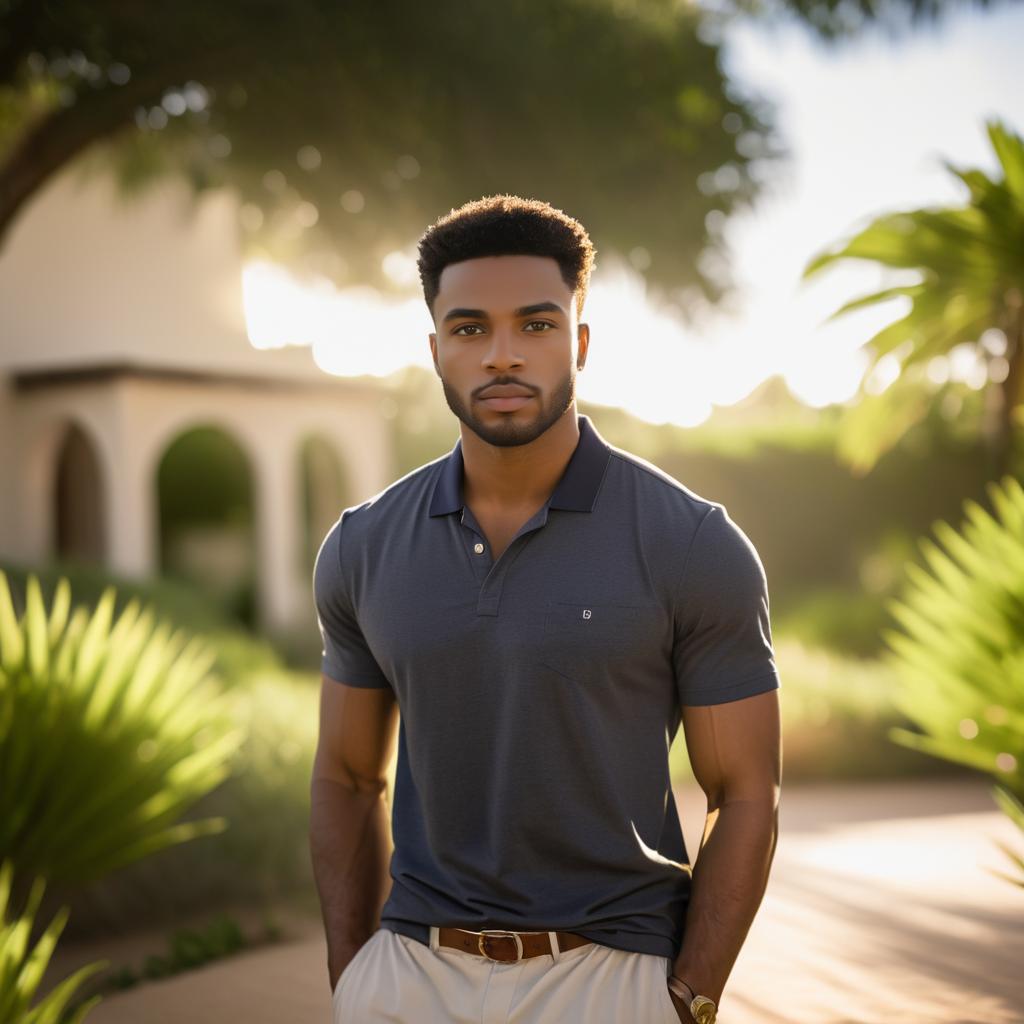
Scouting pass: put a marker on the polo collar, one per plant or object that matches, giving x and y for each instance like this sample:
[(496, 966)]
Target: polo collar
[(576, 491)]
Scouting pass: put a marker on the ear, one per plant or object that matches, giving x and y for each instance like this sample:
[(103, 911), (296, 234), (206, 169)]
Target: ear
[(433, 352), (582, 345)]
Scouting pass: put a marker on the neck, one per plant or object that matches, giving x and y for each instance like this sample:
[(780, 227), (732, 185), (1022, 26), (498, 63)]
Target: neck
[(520, 476)]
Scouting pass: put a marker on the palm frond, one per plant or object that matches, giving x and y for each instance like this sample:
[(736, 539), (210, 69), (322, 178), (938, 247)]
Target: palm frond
[(971, 264), (958, 653)]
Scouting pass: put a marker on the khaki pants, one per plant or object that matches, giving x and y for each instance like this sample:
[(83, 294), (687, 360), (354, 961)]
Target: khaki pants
[(396, 979)]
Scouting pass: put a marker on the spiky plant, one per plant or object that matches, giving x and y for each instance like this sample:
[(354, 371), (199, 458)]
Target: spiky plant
[(22, 965), (960, 655), (971, 262), (109, 732)]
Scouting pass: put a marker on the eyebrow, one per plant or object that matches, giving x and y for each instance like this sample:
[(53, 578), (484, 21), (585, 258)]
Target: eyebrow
[(481, 314)]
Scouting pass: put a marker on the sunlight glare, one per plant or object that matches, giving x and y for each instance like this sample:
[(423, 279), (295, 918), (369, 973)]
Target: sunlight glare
[(352, 331), (642, 358)]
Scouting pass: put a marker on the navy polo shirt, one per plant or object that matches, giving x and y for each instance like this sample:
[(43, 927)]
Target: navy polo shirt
[(539, 694)]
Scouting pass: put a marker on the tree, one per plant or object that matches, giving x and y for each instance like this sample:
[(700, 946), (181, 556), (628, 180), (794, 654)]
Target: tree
[(837, 21), (971, 262), (346, 128)]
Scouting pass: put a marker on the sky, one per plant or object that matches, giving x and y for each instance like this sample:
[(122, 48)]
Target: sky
[(867, 125)]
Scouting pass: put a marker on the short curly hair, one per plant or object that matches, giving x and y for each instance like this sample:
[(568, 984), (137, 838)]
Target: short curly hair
[(506, 225)]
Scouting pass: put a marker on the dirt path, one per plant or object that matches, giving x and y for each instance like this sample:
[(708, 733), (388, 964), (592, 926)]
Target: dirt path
[(879, 909)]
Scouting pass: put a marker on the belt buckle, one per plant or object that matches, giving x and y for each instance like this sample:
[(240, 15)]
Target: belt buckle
[(483, 936)]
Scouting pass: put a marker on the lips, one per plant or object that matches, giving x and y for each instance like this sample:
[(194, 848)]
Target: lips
[(505, 391), (505, 397)]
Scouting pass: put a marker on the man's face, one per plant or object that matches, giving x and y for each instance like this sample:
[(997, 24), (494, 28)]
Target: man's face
[(504, 347)]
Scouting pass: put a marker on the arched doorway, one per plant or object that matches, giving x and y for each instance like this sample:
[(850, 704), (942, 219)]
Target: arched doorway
[(205, 511), (324, 493), (78, 534)]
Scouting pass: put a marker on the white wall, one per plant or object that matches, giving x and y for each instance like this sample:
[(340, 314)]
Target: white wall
[(87, 280), (86, 275)]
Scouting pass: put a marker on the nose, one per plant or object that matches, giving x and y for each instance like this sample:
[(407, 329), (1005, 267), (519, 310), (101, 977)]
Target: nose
[(503, 352)]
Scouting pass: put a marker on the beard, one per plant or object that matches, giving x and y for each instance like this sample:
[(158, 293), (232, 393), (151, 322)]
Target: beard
[(508, 432)]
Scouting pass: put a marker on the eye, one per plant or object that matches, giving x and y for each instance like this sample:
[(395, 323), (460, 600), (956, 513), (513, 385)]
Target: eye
[(463, 327), (540, 323)]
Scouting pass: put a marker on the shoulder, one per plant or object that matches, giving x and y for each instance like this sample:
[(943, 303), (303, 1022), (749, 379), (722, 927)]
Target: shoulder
[(698, 528), (395, 501), (660, 496), (357, 523)]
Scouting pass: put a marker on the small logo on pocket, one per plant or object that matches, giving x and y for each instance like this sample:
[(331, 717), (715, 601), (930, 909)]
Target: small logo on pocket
[(587, 613)]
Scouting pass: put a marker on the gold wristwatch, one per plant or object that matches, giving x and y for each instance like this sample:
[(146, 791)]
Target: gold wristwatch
[(702, 1008)]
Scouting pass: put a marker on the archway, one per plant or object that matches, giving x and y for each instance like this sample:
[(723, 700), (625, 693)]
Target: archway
[(78, 534), (205, 513)]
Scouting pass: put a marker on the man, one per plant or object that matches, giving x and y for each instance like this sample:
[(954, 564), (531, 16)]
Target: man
[(537, 611)]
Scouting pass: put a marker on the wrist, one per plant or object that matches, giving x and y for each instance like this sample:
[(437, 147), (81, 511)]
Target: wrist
[(699, 1008)]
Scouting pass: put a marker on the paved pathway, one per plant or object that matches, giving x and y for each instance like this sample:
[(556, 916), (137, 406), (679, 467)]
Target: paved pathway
[(879, 909)]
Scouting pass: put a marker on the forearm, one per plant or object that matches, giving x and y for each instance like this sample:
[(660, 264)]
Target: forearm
[(350, 846), (729, 880)]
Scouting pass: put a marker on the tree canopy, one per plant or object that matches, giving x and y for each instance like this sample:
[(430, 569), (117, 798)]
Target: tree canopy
[(838, 21), (347, 128)]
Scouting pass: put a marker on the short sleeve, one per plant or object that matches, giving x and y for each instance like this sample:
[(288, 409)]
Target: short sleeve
[(722, 645), (346, 656)]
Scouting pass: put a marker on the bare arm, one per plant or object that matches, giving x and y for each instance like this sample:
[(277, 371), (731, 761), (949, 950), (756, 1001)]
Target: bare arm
[(349, 828), (736, 753)]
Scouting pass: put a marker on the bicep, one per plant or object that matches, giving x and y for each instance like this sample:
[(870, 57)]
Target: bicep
[(735, 748), (358, 727)]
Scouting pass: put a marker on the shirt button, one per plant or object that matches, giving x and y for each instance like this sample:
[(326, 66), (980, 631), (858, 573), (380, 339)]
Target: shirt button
[(478, 548)]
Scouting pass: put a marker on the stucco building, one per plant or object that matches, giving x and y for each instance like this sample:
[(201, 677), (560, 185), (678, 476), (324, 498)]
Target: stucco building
[(122, 332)]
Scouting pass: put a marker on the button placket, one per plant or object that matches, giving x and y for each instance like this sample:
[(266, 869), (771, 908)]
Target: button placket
[(494, 579)]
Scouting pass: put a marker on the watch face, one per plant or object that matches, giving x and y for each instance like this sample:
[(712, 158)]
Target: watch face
[(703, 1010)]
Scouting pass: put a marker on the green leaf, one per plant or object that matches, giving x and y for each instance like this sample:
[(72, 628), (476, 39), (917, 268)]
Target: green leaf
[(1009, 148), (907, 290), (59, 611), (12, 646), (36, 629)]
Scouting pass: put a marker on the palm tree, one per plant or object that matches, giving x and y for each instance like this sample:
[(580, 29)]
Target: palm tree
[(971, 262)]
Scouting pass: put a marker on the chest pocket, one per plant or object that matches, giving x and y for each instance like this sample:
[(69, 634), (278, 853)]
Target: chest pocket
[(581, 641)]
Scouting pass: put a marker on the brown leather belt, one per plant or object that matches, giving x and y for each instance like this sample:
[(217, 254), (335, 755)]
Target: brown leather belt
[(506, 947)]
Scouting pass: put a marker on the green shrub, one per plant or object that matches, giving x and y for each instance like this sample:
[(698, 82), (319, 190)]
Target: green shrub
[(265, 853), (841, 619), (109, 732), (182, 602), (22, 966), (190, 948), (836, 713), (960, 655), (237, 651), (264, 856)]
